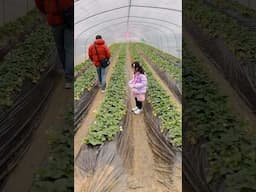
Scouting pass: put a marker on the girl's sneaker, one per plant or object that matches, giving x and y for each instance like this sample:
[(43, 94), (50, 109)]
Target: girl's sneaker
[(138, 111), (134, 109)]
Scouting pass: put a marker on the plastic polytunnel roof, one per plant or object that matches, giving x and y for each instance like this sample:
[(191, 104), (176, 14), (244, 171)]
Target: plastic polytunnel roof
[(157, 23)]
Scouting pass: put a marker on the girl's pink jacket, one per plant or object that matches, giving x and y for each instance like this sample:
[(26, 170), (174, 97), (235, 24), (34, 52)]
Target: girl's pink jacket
[(139, 85)]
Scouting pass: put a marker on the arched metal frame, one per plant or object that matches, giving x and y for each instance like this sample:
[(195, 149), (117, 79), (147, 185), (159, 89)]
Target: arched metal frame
[(108, 20), (106, 28), (138, 23), (126, 6)]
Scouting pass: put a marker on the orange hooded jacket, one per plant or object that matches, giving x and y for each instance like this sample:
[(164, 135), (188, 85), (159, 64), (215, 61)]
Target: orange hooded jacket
[(103, 51)]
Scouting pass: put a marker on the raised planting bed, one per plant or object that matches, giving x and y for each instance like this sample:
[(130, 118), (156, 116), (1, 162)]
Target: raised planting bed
[(86, 87), (81, 68), (24, 64), (170, 68), (159, 53), (234, 59), (243, 14), (107, 146), (218, 153), (17, 31), (27, 77), (175, 88), (112, 110)]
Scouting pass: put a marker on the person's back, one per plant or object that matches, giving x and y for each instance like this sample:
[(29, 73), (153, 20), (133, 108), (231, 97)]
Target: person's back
[(97, 51), (101, 53)]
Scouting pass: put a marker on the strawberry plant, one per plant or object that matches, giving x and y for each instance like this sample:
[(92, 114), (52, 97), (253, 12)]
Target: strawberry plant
[(85, 82), (12, 30), (163, 106), (109, 117), (58, 174), (166, 56), (217, 24), (164, 64), (26, 62), (82, 67), (230, 149)]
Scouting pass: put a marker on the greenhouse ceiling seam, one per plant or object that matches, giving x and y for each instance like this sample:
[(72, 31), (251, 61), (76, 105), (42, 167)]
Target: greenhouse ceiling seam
[(126, 6)]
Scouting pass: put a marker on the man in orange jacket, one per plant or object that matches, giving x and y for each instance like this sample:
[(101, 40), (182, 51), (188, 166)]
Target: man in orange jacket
[(63, 32), (103, 52)]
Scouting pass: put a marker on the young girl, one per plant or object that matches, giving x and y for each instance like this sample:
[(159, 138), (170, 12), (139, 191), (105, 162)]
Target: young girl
[(139, 86)]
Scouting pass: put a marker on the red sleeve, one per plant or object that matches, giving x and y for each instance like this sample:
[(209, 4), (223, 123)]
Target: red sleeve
[(107, 52), (40, 5), (90, 53)]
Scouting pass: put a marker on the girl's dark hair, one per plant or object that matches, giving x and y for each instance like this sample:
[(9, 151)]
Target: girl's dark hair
[(138, 66)]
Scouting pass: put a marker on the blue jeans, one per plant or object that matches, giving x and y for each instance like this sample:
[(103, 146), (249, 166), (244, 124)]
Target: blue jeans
[(102, 74), (64, 39)]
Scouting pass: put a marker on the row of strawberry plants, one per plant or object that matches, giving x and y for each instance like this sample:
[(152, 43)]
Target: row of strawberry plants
[(230, 149), (217, 24), (112, 111), (163, 106), (10, 32), (82, 67), (86, 80), (160, 53), (58, 173), (25, 63), (170, 68)]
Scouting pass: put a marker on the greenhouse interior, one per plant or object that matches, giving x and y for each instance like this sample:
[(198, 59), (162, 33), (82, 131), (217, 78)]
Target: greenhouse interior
[(135, 154), (191, 128)]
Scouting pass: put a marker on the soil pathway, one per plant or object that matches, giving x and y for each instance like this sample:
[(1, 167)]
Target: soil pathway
[(143, 177)]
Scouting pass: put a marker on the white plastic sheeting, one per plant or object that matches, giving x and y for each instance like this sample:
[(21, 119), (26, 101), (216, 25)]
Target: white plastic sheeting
[(158, 23)]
